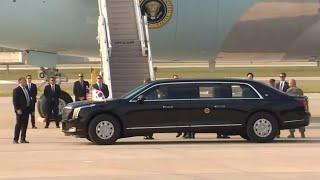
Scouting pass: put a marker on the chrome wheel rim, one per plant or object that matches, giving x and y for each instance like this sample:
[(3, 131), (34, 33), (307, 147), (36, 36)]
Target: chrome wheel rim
[(105, 130), (262, 127)]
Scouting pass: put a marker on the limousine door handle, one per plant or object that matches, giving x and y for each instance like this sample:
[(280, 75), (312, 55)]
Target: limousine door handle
[(220, 106), (167, 107)]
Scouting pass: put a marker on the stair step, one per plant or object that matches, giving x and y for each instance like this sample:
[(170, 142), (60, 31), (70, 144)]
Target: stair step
[(125, 32)]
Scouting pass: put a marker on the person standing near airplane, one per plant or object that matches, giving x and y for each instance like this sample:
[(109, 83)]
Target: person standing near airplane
[(272, 83), (80, 88), (32, 88), (101, 86), (21, 102), (52, 93), (250, 76), (295, 91), (282, 85)]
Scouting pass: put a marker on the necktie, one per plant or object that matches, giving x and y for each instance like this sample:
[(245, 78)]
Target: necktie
[(29, 86), (100, 86), (52, 87), (26, 94), (282, 85)]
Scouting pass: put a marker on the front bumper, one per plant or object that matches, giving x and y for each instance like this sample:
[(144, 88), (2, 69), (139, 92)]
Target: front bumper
[(72, 127)]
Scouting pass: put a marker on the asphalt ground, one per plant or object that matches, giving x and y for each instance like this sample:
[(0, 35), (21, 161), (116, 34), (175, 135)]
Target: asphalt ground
[(53, 156)]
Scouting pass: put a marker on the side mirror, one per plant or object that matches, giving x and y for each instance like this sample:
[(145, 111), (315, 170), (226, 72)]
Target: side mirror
[(141, 99)]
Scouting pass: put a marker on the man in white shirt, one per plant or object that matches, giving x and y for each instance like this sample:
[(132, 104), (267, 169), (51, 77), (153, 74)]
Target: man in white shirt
[(99, 85), (32, 88), (282, 85), (21, 102)]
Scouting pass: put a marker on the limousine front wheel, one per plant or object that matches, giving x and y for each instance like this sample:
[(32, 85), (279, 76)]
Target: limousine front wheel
[(262, 127), (104, 130)]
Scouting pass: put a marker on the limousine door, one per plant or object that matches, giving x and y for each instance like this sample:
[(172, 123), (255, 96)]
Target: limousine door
[(162, 110), (221, 105)]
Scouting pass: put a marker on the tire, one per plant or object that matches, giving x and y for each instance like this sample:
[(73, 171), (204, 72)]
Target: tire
[(41, 106), (262, 127), (244, 135), (88, 138), (64, 99), (104, 138)]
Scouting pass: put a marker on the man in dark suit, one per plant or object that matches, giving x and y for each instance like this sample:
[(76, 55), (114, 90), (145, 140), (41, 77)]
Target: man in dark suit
[(21, 102), (52, 93), (282, 85), (80, 88), (101, 86), (32, 88)]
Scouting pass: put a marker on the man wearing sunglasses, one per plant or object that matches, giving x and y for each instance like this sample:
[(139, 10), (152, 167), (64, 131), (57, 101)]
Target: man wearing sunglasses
[(52, 93), (101, 86), (80, 88), (282, 85), (32, 88)]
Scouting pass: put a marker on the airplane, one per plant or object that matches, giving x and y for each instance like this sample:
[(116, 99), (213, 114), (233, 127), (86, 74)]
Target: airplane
[(179, 29)]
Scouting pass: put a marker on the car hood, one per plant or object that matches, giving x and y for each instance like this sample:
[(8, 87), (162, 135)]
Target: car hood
[(86, 103)]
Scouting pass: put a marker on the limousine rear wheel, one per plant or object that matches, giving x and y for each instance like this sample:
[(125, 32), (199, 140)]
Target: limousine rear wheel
[(262, 127), (104, 130)]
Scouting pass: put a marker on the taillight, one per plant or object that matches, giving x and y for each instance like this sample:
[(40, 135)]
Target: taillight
[(305, 104)]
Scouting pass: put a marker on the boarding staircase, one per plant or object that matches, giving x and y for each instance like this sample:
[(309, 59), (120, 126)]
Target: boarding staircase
[(124, 45)]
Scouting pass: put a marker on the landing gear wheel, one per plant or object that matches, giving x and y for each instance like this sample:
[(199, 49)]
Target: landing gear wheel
[(104, 130), (64, 99), (262, 127)]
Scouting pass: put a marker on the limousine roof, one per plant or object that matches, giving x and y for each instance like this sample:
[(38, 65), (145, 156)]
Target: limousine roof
[(206, 80)]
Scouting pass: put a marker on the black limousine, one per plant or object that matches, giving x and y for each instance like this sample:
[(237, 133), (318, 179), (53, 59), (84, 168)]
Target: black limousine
[(247, 108)]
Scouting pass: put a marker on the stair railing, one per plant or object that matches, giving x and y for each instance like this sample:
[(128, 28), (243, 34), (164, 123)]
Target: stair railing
[(104, 40), (140, 27), (148, 48)]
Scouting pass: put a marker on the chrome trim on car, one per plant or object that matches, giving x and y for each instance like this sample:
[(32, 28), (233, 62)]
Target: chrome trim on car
[(291, 121), (204, 82), (165, 127)]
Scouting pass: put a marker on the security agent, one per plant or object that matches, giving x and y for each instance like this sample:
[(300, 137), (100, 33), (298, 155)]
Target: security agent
[(101, 86), (282, 85), (80, 88), (33, 91), (21, 103), (295, 91), (52, 93)]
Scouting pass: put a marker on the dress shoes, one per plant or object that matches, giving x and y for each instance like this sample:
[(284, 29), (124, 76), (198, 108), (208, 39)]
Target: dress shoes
[(24, 142), (34, 127), (15, 142)]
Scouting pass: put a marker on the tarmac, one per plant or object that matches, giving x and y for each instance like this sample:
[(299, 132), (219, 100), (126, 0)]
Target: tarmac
[(53, 156)]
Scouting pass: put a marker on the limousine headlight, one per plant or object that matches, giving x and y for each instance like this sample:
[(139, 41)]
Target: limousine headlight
[(78, 109)]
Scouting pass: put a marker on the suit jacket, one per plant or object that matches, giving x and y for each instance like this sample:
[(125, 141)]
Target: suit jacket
[(52, 97), (285, 86), (33, 91), (104, 89), (19, 99), (80, 90)]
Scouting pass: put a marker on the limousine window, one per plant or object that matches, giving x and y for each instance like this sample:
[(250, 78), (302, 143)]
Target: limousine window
[(172, 91), (224, 90)]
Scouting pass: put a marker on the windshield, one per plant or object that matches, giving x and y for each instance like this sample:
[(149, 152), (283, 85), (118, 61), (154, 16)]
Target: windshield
[(133, 91)]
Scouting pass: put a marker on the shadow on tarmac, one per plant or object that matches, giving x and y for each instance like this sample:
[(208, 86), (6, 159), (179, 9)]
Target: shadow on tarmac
[(225, 142)]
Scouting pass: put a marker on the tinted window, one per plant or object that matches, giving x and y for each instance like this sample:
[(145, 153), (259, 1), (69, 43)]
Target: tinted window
[(226, 90), (174, 91)]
